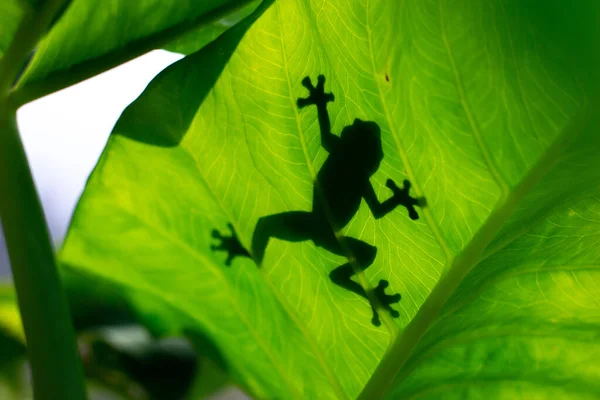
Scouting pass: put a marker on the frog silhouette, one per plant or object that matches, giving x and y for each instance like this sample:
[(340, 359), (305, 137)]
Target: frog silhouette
[(342, 183)]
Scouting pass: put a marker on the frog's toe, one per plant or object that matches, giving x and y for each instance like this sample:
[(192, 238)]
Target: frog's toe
[(394, 298), (412, 214), (375, 320), (307, 83)]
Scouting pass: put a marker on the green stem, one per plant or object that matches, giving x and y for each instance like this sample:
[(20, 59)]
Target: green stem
[(51, 346)]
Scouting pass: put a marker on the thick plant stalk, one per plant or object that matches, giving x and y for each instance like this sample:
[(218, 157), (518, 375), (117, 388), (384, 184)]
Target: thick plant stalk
[(51, 345)]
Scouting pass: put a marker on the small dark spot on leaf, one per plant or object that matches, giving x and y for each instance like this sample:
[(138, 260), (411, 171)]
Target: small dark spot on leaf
[(387, 78)]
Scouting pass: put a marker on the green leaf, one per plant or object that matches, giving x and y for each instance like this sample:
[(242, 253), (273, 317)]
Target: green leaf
[(93, 36), (524, 323), (475, 104), (12, 345), (10, 318)]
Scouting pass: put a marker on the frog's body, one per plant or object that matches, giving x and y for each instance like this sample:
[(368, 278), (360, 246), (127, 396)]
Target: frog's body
[(342, 183), (344, 177)]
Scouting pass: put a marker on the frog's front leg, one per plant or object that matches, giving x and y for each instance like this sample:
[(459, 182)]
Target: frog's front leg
[(318, 97)]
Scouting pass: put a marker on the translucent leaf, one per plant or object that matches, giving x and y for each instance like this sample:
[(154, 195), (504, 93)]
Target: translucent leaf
[(475, 106)]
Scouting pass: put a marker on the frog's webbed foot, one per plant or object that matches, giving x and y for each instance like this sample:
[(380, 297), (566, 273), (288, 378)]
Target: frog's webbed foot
[(386, 300), (231, 244), (403, 198), (375, 320), (316, 95)]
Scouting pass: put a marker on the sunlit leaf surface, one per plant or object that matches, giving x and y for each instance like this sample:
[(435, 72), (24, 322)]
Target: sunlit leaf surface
[(475, 106), (525, 322)]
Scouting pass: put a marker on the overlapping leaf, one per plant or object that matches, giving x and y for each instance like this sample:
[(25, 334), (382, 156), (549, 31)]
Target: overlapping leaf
[(516, 342), (525, 323), (92, 36), (469, 97)]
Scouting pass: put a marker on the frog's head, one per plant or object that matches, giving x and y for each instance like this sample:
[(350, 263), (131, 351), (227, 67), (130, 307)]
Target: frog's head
[(362, 143)]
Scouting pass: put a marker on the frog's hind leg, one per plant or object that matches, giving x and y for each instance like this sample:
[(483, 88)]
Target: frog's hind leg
[(362, 256), (294, 226)]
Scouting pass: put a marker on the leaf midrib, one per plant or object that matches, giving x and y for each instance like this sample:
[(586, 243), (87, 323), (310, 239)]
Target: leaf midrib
[(426, 211), (360, 275), (484, 150)]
